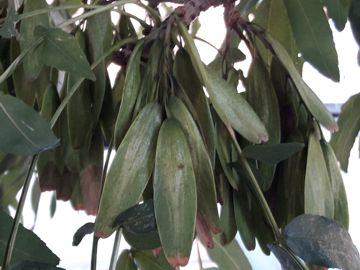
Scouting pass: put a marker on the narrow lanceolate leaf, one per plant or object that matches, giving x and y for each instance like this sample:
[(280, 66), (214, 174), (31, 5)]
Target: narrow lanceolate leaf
[(174, 193), (349, 126), (312, 102), (131, 167), (322, 241), (229, 257), (337, 11), (80, 124), (99, 36), (258, 84), (272, 16), (28, 246), (32, 63), (341, 211), (23, 131), (272, 153), (145, 260), (186, 76), (130, 94), (60, 50), (313, 35), (319, 199), (125, 261), (230, 105), (205, 183)]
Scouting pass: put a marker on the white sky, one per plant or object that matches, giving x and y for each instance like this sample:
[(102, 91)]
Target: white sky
[(58, 232)]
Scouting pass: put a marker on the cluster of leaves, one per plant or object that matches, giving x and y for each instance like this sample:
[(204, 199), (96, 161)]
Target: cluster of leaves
[(260, 154)]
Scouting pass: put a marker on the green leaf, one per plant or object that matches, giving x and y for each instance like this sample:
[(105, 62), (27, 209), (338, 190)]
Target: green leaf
[(313, 35), (85, 229), (139, 226), (229, 257), (272, 16), (322, 241), (232, 108), (312, 102), (285, 258), (227, 214), (130, 93), (145, 260), (8, 28), (61, 50), (186, 76), (175, 199), (349, 126), (28, 246), (318, 194), (132, 166), (24, 132), (99, 37), (341, 211), (32, 63), (354, 19), (272, 153), (125, 261), (337, 11), (205, 183)]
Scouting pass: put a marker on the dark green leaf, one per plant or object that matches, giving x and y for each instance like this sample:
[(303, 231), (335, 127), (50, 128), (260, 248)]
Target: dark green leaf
[(125, 261), (337, 11), (24, 132), (99, 36), (319, 199), (341, 211), (322, 241), (232, 108), (313, 35), (60, 50), (272, 16), (85, 229), (227, 215), (258, 83), (354, 19), (312, 102), (29, 265), (349, 126), (229, 257), (145, 260), (8, 29), (286, 259), (139, 226), (272, 153), (32, 64), (28, 246)]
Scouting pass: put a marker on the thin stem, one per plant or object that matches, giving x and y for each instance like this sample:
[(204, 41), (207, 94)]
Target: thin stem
[(95, 238), (256, 188), (54, 8), (97, 11), (78, 82), (94, 252), (115, 250), (15, 227), (18, 59)]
